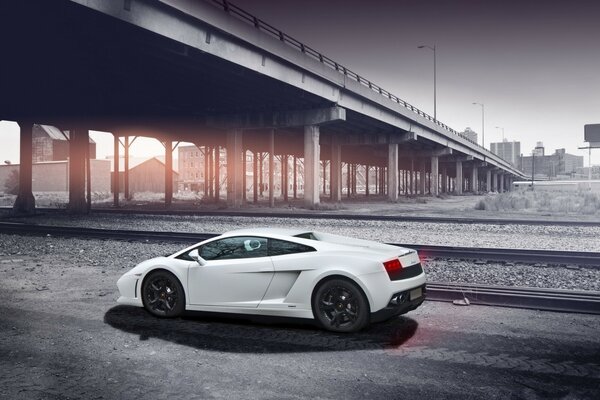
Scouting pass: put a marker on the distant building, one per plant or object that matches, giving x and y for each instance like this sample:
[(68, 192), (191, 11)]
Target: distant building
[(470, 134), (509, 151), (145, 175), (583, 172), (191, 168), (53, 176), (52, 144), (559, 164), (539, 149)]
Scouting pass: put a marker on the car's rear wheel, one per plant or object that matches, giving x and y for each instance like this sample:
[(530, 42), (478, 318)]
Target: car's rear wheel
[(340, 306), (163, 295)]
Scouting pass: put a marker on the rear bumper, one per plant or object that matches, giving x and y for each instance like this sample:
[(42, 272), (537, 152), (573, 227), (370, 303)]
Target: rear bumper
[(403, 306)]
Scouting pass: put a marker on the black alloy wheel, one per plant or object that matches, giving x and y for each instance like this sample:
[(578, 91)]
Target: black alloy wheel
[(163, 295), (340, 306)]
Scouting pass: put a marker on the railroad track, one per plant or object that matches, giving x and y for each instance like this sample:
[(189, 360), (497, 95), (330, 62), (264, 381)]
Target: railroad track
[(332, 216), (517, 297), (448, 252), (533, 298)]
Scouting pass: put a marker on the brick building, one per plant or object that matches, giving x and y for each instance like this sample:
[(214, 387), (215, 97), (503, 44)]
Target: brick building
[(52, 144)]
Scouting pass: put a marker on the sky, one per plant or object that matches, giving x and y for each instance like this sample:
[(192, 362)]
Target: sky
[(535, 65)]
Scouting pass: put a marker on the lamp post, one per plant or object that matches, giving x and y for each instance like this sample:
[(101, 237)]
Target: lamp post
[(499, 127), (434, 78), (482, 123)]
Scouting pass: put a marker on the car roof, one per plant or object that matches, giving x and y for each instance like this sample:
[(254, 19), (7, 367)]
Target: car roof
[(266, 231)]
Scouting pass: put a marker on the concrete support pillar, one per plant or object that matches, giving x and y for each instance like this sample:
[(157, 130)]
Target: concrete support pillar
[(393, 171), (244, 176), (434, 189), (475, 179), (311, 165), (367, 180), (444, 179), (348, 183), (295, 172), (422, 179), (501, 178), (126, 169), (488, 180), (411, 184), (261, 173), (78, 142), (494, 181), (458, 185), (271, 168), (116, 158), (25, 202), (255, 177), (284, 177), (217, 172), (234, 168), (168, 172), (211, 173)]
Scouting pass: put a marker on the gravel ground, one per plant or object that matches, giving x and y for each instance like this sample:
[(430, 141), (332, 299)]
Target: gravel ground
[(574, 238), (124, 255)]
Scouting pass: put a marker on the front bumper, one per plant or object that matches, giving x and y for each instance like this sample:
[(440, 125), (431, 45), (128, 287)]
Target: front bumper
[(402, 305)]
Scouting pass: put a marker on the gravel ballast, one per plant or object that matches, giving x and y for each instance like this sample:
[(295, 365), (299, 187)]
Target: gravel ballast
[(543, 237)]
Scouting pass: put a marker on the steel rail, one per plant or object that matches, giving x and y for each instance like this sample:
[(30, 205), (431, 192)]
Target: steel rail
[(306, 215), (517, 297), (425, 251)]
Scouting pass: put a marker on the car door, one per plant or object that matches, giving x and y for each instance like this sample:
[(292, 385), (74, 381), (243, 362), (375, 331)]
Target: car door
[(237, 273)]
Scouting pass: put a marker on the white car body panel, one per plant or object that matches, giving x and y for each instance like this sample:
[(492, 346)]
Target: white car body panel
[(280, 285)]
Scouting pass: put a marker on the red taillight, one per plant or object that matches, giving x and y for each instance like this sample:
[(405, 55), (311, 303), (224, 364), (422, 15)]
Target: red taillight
[(392, 265)]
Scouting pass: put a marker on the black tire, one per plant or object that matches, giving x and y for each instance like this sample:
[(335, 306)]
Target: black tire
[(162, 295), (340, 306)]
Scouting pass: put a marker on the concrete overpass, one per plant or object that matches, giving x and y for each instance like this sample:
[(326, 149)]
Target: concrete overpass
[(209, 73)]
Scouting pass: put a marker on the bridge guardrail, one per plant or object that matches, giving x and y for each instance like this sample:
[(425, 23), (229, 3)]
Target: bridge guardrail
[(245, 16)]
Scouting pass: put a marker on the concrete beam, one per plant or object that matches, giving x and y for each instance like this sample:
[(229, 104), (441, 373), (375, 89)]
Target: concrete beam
[(280, 119), (454, 159), (25, 202), (398, 138), (311, 165)]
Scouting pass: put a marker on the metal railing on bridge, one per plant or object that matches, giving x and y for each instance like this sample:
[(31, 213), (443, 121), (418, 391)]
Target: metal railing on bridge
[(245, 16)]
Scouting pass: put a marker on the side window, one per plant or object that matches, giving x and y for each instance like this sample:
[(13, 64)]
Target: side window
[(280, 247), (234, 247)]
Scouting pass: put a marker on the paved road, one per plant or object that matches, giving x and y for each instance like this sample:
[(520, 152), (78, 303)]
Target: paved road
[(63, 336)]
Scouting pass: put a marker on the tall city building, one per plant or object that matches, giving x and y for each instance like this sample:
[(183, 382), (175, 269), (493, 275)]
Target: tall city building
[(508, 151), (470, 134)]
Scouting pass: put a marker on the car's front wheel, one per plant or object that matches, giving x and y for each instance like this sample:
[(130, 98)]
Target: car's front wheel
[(340, 306), (163, 295)]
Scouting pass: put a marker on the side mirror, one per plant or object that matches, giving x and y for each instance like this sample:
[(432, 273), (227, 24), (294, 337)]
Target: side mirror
[(195, 255)]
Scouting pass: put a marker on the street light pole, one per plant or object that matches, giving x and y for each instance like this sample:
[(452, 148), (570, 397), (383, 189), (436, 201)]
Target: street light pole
[(482, 123), (434, 78)]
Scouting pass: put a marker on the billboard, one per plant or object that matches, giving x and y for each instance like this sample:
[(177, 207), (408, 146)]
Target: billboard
[(591, 133)]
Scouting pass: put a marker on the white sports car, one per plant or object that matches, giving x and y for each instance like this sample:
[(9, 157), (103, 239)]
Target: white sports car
[(343, 283)]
